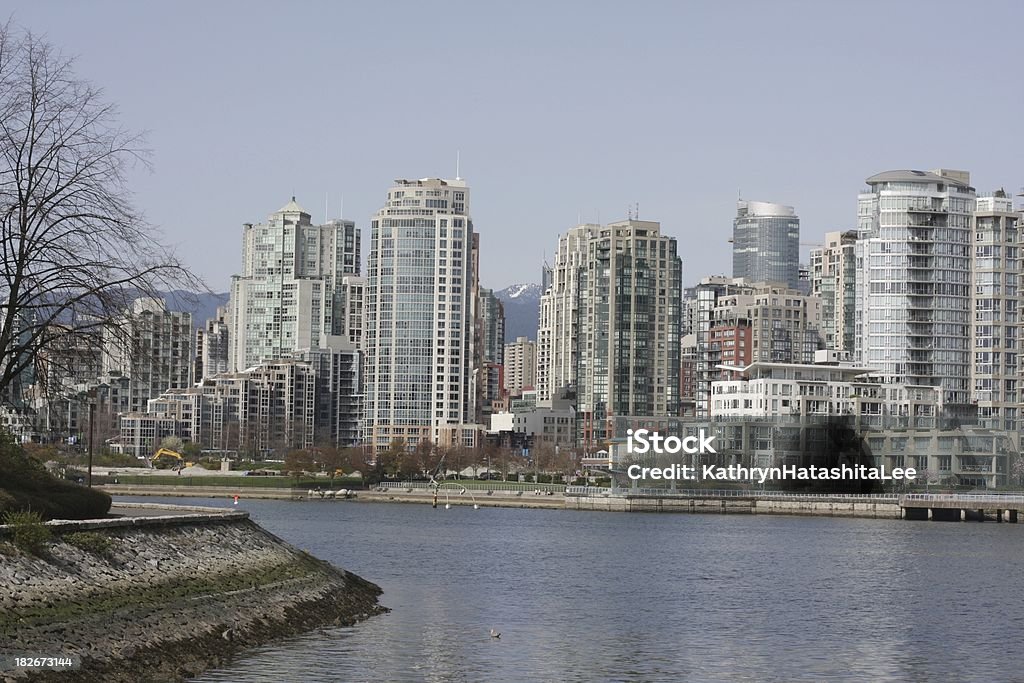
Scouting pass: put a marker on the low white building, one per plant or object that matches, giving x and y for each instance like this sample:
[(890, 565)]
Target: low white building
[(768, 409), (821, 389), (554, 425)]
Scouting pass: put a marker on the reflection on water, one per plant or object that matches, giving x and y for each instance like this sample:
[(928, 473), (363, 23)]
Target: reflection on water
[(581, 596)]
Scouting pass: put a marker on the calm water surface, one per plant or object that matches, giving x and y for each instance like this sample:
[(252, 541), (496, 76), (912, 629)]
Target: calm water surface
[(588, 596)]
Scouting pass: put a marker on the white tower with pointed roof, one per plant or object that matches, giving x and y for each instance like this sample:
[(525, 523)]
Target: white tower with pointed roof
[(288, 296)]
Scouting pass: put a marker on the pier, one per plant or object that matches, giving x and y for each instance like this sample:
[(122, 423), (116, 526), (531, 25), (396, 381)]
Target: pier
[(956, 507)]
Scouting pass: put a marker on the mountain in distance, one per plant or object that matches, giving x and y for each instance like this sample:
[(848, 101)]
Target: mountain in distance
[(201, 305), (522, 310), (521, 302)]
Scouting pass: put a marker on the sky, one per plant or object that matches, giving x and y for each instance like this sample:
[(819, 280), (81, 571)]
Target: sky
[(559, 111)]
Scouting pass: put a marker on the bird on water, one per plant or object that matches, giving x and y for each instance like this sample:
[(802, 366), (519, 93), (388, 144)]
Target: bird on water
[(495, 634)]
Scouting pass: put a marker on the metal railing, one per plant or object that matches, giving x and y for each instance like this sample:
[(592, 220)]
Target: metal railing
[(730, 493), (587, 491)]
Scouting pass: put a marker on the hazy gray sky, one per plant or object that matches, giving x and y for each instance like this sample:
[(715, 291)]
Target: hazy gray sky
[(559, 109)]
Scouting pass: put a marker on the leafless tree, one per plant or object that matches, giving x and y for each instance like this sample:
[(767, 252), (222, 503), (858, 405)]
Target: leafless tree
[(74, 251), (1017, 469)]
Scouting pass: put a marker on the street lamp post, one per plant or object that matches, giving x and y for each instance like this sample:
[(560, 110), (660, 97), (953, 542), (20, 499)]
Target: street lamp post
[(92, 419)]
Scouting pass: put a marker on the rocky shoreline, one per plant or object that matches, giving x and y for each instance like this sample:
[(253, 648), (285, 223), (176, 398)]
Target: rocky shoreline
[(166, 597)]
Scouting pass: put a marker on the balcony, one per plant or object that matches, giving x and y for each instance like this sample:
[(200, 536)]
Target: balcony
[(919, 262)]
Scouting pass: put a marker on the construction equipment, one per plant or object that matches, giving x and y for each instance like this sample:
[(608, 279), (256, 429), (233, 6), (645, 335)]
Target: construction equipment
[(167, 452)]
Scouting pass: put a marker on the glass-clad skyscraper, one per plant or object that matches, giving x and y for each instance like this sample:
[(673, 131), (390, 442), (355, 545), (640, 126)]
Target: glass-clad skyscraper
[(766, 243), (420, 308), (288, 295)]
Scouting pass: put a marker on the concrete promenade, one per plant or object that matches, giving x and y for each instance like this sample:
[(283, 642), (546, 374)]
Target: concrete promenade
[(421, 496), (914, 506)]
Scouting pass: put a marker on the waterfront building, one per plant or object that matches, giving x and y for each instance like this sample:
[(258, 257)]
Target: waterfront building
[(913, 300), (421, 309), (766, 243), (771, 414), (740, 322), (289, 295), (520, 366), (627, 332), (834, 281), (994, 315)]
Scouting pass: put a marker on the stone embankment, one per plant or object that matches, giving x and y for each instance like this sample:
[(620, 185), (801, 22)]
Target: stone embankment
[(164, 596)]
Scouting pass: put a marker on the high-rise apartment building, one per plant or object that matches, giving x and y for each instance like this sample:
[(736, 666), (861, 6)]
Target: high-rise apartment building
[(557, 326), (492, 327), (766, 243), (834, 281), (520, 366), (288, 296), (153, 347), (421, 316), (212, 347), (995, 303), (309, 399), (628, 321), (491, 378), (913, 282), (353, 293)]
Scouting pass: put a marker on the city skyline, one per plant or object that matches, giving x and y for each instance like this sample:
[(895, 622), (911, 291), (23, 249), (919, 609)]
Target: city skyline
[(641, 109)]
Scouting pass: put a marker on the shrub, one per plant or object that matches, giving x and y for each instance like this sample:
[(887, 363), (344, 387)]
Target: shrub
[(30, 534), (90, 541), (26, 485)]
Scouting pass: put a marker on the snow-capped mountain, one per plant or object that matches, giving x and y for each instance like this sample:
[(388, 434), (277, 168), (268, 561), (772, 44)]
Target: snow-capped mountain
[(522, 310)]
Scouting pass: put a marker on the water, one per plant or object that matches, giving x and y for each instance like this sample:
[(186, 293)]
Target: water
[(588, 596)]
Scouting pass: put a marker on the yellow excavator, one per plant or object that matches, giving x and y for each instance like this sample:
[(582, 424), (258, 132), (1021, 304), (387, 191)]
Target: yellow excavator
[(168, 453)]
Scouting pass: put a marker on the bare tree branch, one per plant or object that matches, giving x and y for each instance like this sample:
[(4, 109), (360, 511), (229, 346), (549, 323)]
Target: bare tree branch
[(75, 251)]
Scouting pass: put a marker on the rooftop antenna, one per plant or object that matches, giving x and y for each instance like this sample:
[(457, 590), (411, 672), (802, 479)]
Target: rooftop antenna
[(342, 214), (327, 213), (458, 160)]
